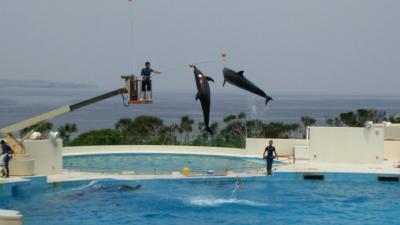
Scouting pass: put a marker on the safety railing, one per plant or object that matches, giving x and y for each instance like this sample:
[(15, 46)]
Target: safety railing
[(136, 90)]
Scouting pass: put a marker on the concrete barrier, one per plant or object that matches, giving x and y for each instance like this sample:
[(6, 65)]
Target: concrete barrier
[(392, 131), (346, 145), (284, 147), (47, 155), (392, 150)]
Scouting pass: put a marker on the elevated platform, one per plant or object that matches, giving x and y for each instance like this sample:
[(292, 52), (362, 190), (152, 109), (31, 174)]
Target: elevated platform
[(140, 101)]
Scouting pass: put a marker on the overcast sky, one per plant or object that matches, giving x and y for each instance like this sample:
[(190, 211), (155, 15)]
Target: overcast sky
[(284, 46)]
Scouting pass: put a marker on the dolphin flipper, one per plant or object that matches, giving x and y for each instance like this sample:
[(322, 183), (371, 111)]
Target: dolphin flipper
[(210, 79), (223, 85), (197, 96)]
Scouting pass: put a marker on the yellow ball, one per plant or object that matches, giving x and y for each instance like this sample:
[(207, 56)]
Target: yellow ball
[(186, 171)]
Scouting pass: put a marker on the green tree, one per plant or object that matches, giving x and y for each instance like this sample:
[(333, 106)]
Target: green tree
[(361, 116), (124, 125), (393, 119), (333, 122), (142, 129), (279, 130), (242, 115), (186, 127), (255, 129), (44, 128), (66, 131), (234, 132), (99, 137), (214, 128), (307, 121), (170, 134)]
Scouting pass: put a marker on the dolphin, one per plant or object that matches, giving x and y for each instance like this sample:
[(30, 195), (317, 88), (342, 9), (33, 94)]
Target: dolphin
[(237, 79), (123, 187), (203, 93), (129, 188)]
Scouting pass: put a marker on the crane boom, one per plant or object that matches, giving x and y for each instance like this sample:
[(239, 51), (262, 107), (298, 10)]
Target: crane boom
[(18, 146), (59, 111), (23, 164)]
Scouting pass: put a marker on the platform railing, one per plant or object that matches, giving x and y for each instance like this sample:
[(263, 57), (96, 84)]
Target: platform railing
[(136, 92)]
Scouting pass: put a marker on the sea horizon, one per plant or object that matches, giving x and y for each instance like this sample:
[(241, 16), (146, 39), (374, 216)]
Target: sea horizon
[(22, 103)]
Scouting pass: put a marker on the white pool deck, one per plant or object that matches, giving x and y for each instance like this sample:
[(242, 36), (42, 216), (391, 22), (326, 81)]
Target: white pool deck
[(301, 166)]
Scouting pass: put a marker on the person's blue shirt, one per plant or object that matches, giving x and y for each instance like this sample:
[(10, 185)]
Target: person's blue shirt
[(6, 149), (146, 72)]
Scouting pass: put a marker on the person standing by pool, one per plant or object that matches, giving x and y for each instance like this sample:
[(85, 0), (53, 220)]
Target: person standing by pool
[(146, 82), (270, 150), (7, 154)]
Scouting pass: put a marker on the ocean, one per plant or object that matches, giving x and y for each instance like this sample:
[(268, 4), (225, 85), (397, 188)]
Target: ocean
[(19, 104)]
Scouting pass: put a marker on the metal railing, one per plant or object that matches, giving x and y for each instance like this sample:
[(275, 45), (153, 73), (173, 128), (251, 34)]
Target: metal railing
[(135, 89)]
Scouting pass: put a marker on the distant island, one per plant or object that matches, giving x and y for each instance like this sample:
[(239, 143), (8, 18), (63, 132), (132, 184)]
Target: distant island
[(4, 83)]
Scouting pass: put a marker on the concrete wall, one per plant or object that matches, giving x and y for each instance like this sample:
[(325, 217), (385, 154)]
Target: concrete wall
[(154, 149), (284, 147), (392, 150), (392, 131), (47, 155), (346, 145)]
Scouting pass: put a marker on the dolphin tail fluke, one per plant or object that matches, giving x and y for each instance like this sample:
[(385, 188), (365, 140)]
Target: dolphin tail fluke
[(267, 99), (209, 130)]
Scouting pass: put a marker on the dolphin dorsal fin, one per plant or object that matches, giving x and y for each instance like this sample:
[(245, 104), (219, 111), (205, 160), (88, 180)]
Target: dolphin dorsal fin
[(240, 73)]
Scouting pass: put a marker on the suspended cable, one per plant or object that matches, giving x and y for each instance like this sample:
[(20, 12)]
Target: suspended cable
[(221, 59), (132, 34)]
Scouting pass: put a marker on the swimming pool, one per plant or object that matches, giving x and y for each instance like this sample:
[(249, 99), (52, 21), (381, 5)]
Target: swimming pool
[(159, 163), (259, 200)]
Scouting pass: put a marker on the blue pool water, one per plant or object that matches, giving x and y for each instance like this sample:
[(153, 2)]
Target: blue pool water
[(209, 201), (158, 163)]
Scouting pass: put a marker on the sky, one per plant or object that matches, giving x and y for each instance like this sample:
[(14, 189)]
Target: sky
[(287, 46)]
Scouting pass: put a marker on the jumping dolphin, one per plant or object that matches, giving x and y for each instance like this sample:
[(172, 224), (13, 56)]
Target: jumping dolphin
[(203, 93), (237, 79)]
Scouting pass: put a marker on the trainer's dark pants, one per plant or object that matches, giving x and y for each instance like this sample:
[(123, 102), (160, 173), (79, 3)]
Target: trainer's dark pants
[(269, 165), (6, 168), (146, 85)]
